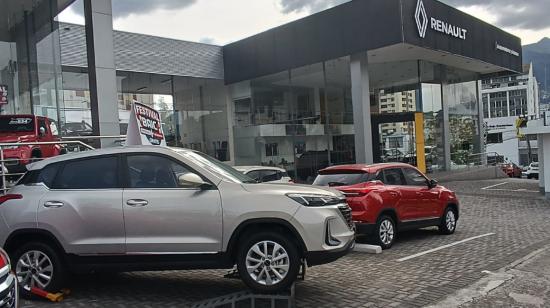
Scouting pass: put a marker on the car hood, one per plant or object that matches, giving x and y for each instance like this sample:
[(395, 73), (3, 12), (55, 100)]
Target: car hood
[(291, 188)]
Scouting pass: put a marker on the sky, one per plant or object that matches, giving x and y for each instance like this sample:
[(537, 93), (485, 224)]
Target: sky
[(225, 21)]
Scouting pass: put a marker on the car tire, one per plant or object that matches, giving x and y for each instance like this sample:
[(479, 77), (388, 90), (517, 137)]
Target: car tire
[(529, 176), (51, 265), (282, 262), (448, 222), (386, 232)]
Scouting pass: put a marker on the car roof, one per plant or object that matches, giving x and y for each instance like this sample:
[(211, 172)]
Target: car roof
[(366, 168), (252, 168), (113, 150)]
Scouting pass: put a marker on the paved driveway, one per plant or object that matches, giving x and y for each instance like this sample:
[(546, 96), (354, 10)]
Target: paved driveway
[(511, 224)]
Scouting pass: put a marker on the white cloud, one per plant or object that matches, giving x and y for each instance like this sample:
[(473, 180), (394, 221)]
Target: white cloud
[(225, 21)]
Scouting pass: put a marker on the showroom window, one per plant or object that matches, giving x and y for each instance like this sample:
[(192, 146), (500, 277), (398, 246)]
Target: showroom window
[(494, 138)]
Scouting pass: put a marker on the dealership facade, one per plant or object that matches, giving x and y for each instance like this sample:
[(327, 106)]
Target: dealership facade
[(366, 81)]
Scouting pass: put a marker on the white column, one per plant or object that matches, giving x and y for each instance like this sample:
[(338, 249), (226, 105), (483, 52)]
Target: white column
[(545, 159), (540, 148), (101, 68), (361, 108)]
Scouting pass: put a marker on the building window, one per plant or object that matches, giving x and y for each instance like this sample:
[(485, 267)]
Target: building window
[(494, 138), (271, 149)]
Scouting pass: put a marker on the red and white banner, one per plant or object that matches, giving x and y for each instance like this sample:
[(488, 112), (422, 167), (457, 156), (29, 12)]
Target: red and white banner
[(145, 126)]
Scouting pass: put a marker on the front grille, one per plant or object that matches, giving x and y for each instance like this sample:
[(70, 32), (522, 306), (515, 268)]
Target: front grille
[(8, 299), (346, 212)]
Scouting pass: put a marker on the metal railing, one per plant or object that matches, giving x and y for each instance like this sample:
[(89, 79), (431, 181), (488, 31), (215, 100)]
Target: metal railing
[(9, 178)]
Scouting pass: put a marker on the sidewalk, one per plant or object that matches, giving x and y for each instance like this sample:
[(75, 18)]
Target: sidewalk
[(525, 283)]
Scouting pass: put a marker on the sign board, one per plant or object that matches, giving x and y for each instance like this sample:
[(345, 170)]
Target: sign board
[(145, 126), (3, 95), (547, 118), (423, 22)]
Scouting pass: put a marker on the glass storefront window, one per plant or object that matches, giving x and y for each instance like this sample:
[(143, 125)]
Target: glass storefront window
[(201, 116), (301, 119)]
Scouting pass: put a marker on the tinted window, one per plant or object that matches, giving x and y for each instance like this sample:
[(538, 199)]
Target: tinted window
[(152, 171), (256, 175), (95, 173), (414, 178), (341, 179), (394, 177), (42, 124), (271, 175), (16, 124)]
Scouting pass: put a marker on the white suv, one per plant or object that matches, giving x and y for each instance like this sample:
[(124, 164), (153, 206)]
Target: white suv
[(151, 208)]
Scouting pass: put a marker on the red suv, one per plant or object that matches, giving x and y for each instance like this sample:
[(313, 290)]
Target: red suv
[(27, 128), (386, 198)]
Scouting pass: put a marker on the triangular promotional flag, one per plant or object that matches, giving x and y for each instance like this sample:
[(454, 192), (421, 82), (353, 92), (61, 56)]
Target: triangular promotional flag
[(144, 126)]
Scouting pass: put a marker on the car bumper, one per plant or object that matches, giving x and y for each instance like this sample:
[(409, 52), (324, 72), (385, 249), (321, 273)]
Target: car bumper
[(314, 258), (364, 228), (9, 297)]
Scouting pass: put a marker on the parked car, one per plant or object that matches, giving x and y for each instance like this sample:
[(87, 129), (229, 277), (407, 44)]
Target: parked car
[(27, 128), (386, 198), (8, 283), (152, 208), (512, 170), (532, 171), (263, 174)]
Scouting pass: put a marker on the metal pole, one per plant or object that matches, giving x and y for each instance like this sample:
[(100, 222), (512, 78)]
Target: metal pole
[(3, 173)]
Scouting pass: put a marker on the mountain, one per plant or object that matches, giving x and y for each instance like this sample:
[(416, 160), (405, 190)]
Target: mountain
[(539, 55)]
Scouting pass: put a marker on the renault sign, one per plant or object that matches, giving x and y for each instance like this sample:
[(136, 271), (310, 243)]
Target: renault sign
[(422, 22)]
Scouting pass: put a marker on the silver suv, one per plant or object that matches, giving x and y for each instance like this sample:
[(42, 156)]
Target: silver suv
[(151, 208)]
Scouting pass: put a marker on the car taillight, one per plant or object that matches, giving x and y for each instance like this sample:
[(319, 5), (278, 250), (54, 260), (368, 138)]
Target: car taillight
[(8, 197)]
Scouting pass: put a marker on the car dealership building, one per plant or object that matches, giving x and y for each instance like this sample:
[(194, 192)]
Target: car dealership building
[(366, 81)]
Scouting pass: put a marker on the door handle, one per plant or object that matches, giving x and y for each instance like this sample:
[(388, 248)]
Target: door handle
[(137, 202), (53, 204)]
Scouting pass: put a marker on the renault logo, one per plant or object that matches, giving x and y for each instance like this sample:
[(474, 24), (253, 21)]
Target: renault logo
[(421, 19)]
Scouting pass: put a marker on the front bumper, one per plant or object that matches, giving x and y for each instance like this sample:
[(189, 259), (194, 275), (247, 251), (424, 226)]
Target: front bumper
[(314, 258), (9, 297)]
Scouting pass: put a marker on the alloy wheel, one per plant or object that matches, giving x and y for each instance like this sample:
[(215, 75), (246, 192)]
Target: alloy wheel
[(267, 263), (34, 269), (387, 232), (450, 220)]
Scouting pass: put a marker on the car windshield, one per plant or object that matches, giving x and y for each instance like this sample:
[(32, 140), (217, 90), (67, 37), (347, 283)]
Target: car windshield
[(16, 124), (341, 178), (217, 167)]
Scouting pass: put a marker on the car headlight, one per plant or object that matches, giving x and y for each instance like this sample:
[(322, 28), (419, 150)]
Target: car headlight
[(314, 200), (4, 260)]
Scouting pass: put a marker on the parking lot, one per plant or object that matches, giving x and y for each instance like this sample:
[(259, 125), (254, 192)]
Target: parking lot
[(501, 221)]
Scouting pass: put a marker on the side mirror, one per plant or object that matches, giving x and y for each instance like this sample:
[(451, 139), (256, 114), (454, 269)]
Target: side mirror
[(42, 131), (432, 183), (192, 180)]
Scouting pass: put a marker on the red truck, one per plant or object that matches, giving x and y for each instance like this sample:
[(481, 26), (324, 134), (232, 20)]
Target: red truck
[(24, 129)]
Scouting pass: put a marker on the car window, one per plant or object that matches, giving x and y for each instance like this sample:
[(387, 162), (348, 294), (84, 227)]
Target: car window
[(53, 129), (42, 124), (270, 175), (95, 173), (414, 178), (153, 171), (342, 178), (47, 175), (394, 177), (255, 174)]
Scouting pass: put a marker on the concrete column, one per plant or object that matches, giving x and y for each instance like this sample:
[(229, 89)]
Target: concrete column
[(446, 127), (540, 150), (545, 159), (101, 69), (361, 108)]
